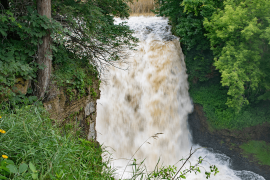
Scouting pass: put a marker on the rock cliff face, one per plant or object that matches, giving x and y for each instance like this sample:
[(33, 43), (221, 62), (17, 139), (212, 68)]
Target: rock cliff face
[(78, 114), (228, 141)]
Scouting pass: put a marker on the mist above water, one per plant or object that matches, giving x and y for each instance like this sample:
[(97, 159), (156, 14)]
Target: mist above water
[(151, 97)]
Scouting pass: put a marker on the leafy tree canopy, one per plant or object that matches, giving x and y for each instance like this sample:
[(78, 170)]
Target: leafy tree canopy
[(231, 36), (239, 36), (90, 30), (82, 30)]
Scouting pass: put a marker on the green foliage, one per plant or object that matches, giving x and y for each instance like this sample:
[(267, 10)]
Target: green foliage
[(139, 171), (18, 46), (31, 138), (164, 172), (212, 96), (231, 35), (239, 39), (259, 149), (21, 35), (94, 35), (199, 65), (21, 100), (8, 169), (74, 75), (93, 93), (85, 41)]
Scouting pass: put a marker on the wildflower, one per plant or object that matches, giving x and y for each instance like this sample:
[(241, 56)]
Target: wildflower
[(2, 131), (0, 117), (4, 156)]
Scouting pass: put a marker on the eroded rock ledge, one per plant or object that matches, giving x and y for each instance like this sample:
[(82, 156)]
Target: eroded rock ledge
[(78, 114)]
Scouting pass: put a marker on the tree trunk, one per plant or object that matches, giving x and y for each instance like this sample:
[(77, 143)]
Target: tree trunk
[(44, 52)]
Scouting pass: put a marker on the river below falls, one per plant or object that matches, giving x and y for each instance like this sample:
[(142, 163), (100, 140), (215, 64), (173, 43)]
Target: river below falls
[(151, 96)]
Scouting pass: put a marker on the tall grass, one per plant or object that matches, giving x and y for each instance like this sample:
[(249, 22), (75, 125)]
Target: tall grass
[(31, 137), (142, 7)]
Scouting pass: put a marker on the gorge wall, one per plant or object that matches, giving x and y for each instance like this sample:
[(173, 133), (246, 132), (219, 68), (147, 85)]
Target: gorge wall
[(78, 114)]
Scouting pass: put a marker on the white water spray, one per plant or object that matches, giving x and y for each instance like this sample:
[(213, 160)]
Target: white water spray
[(152, 97)]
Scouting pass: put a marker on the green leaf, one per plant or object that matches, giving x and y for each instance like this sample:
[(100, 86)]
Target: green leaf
[(3, 32), (3, 177), (23, 167), (5, 169), (32, 167), (182, 176), (9, 161), (12, 168), (34, 175)]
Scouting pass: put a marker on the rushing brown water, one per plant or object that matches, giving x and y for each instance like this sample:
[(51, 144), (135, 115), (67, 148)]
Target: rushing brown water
[(151, 97)]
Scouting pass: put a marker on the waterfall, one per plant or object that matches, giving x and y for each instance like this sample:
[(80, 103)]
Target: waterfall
[(151, 96)]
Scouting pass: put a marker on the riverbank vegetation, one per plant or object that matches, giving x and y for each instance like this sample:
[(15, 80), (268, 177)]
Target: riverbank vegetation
[(226, 47), (258, 149), (212, 95)]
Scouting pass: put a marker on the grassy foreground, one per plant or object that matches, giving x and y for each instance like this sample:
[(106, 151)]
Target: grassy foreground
[(33, 148)]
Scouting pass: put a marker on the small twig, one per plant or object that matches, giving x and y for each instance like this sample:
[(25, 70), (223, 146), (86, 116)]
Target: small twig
[(190, 154)]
